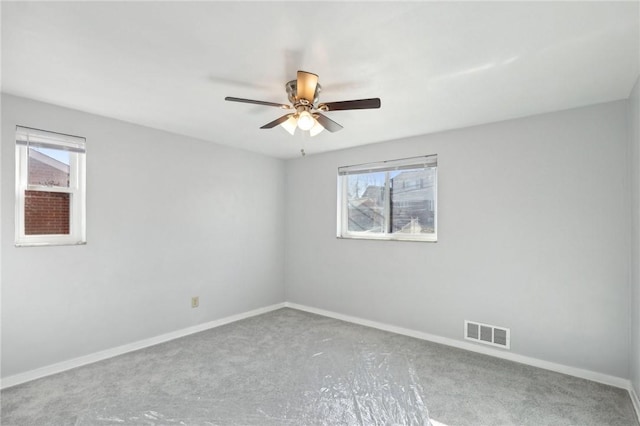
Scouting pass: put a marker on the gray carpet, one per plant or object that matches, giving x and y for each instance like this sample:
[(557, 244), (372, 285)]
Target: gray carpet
[(293, 368)]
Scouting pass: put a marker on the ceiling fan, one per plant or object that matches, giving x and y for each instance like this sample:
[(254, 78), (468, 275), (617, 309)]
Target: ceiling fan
[(307, 112)]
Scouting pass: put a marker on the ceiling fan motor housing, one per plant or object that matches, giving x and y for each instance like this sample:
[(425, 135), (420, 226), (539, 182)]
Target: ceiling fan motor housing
[(292, 93)]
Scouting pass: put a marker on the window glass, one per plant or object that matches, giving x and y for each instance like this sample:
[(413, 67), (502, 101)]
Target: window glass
[(366, 201), (392, 200), (46, 213), (412, 201), (49, 167)]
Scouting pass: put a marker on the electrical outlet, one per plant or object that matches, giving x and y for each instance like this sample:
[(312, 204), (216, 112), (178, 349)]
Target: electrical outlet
[(195, 301)]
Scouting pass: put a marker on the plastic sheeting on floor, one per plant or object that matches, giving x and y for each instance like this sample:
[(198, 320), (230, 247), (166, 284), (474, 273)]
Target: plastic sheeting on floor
[(286, 368), (289, 368)]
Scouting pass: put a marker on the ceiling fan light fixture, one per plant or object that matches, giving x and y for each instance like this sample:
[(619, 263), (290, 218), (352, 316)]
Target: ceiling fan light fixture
[(306, 121), (307, 113), (290, 125), (316, 129)]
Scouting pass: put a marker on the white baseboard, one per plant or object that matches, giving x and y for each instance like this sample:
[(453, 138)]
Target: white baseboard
[(129, 347), (636, 401), (618, 382)]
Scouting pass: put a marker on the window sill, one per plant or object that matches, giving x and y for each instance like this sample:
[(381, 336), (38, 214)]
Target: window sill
[(417, 239), (49, 243)]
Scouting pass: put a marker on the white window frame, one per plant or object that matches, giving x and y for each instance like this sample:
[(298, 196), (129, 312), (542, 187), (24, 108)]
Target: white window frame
[(430, 161), (75, 145)]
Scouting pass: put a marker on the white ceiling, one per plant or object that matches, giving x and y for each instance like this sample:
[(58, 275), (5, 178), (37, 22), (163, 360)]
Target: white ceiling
[(435, 65)]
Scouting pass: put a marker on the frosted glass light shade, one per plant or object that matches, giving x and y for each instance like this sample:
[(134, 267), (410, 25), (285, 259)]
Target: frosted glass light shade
[(305, 121), (290, 125), (317, 128)]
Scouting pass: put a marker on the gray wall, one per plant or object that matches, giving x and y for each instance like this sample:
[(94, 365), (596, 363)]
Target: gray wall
[(168, 217), (634, 140), (533, 217), (533, 235)]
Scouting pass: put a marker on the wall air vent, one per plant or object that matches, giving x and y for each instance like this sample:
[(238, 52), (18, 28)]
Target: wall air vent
[(487, 334)]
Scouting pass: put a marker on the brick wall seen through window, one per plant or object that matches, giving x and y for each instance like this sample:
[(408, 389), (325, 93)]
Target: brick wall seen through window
[(46, 213)]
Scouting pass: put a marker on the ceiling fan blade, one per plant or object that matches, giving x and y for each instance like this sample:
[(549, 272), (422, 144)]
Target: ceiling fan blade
[(306, 85), (355, 104), (251, 101), (276, 122), (327, 123)]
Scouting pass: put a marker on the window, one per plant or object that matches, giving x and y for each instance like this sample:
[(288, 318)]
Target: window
[(50, 188), (390, 200)]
